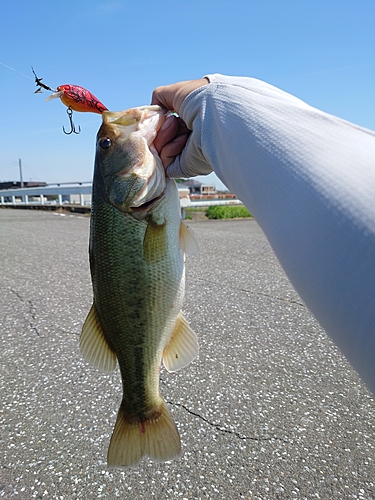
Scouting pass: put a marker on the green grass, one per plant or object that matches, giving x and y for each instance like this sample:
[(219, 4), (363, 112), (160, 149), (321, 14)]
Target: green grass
[(227, 212)]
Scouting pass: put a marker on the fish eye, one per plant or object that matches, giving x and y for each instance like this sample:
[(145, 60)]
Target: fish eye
[(105, 143)]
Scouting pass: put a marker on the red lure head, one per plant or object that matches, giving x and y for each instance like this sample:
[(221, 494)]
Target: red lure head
[(80, 99)]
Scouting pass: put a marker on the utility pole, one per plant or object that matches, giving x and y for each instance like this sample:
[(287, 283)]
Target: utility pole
[(20, 164)]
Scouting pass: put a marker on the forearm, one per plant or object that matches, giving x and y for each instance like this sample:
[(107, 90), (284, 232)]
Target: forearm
[(309, 180)]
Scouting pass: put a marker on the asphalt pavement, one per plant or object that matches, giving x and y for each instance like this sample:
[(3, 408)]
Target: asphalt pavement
[(269, 410)]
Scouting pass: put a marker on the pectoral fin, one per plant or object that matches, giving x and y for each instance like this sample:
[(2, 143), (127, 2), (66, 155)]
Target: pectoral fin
[(188, 243), (182, 347), (94, 346), (155, 244)]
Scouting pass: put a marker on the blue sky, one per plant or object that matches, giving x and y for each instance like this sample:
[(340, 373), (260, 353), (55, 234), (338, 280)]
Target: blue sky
[(322, 51)]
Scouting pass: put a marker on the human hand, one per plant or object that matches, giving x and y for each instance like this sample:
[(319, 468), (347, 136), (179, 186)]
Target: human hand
[(171, 139), (173, 135), (171, 96)]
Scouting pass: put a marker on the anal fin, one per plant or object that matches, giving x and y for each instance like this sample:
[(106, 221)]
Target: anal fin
[(182, 347), (94, 346)]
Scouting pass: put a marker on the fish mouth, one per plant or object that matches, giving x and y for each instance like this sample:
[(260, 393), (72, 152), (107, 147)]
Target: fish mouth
[(134, 120), (143, 173)]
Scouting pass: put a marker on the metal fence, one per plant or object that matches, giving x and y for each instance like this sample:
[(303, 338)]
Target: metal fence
[(79, 194), (52, 194)]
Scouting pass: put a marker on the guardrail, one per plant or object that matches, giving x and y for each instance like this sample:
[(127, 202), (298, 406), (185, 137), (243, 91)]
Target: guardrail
[(54, 194), (211, 203), (39, 195)]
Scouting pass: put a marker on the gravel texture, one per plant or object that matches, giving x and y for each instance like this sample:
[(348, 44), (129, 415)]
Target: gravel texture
[(269, 410)]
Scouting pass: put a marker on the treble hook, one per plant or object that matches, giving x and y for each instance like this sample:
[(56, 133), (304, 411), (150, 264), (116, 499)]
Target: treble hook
[(72, 126)]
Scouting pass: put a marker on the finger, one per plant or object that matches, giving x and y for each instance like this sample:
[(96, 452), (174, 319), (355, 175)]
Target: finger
[(182, 127), (163, 96), (167, 133), (172, 149), (172, 96)]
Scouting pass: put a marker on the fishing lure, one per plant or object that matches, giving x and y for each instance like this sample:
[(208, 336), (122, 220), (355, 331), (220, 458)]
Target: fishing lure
[(76, 98)]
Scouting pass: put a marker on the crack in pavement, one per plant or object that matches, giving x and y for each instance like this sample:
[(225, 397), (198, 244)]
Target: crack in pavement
[(222, 429), (227, 431), (31, 311), (251, 292)]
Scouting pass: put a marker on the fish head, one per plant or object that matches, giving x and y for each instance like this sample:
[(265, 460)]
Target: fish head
[(126, 160)]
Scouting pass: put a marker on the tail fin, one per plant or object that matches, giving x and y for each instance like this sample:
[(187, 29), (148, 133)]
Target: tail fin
[(156, 438)]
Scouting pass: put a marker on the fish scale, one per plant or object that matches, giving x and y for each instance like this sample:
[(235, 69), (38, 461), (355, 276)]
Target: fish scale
[(122, 294)]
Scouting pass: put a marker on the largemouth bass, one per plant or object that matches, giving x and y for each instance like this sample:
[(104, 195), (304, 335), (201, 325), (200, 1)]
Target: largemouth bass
[(137, 247)]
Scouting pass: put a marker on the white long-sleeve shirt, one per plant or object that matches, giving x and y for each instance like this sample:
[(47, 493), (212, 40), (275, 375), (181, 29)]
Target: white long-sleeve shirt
[(309, 180)]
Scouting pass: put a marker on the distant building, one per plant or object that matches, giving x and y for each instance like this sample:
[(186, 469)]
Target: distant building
[(199, 191), (208, 189), (196, 187)]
